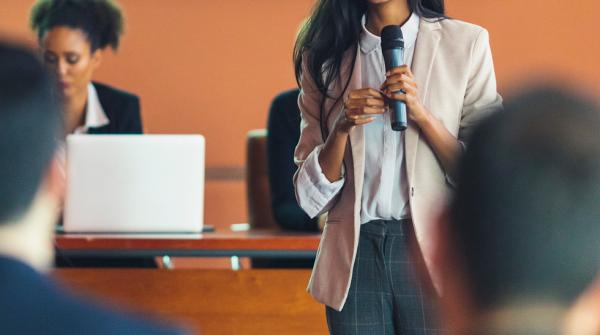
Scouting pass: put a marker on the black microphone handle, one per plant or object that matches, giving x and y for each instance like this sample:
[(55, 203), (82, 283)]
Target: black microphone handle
[(394, 58), (398, 110)]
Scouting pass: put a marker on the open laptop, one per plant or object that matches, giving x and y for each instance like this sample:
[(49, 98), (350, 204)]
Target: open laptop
[(134, 184)]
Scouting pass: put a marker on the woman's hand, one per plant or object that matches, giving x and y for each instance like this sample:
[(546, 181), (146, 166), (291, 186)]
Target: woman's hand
[(400, 85), (360, 108)]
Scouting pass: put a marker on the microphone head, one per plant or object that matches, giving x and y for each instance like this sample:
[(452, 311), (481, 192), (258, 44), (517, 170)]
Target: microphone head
[(391, 37)]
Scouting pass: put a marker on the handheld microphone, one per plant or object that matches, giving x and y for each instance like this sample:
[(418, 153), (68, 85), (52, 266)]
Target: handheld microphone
[(392, 45)]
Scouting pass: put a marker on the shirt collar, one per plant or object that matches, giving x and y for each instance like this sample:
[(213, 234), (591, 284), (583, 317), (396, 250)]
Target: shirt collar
[(94, 113), (369, 41)]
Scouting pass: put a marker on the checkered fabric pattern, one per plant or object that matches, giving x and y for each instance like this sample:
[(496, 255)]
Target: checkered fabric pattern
[(385, 296)]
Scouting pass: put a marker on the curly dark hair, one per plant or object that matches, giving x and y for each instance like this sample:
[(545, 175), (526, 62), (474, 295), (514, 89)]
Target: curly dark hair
[(100, 20)]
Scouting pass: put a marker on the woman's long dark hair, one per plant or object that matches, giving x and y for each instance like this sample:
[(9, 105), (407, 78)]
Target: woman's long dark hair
[(332, 29)]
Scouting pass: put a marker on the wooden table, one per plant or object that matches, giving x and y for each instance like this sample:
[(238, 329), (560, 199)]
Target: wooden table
[(212, 302), (262, 243)]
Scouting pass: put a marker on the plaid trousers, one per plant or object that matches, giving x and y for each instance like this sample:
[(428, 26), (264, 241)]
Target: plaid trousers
[(385, 294)]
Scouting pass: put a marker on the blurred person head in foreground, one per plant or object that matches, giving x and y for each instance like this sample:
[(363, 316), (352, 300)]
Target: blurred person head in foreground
[(521, 240), (30, 188)]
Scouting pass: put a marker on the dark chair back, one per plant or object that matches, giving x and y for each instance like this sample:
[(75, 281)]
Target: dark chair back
[(260, 214)]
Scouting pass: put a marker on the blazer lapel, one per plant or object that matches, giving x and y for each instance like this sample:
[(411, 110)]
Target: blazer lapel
[(425, 51)]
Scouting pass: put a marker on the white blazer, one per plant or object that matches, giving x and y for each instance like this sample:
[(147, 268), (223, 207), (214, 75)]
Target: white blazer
[(454, 71)]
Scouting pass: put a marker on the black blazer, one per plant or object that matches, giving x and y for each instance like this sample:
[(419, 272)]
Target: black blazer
[(283, 134), (33, 304), (121, 108)]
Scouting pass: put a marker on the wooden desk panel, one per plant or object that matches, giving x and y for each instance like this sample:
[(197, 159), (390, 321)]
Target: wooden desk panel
[(255, 243), (213, 301)]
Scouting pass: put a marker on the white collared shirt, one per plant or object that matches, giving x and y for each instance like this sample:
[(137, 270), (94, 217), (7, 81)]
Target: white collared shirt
[(385, 189), (94, 113), (94, 117)]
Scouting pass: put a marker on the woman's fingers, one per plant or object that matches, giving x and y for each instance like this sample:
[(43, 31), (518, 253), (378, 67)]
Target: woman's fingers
[(404, 87), (366, 111), (403, 69), (364, 121), (398, 79), (367, 102), (362, 106), (399, 96), (407, 98), (359, 119), (365, 93)]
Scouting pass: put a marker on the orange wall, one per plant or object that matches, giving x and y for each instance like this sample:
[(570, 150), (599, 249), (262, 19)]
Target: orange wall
[(212, 67)]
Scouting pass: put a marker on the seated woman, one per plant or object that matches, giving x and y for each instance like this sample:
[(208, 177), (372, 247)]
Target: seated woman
[(73, 35)]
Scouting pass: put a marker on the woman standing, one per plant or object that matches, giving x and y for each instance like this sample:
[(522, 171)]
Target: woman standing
[(380, 187), (73, 35)]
